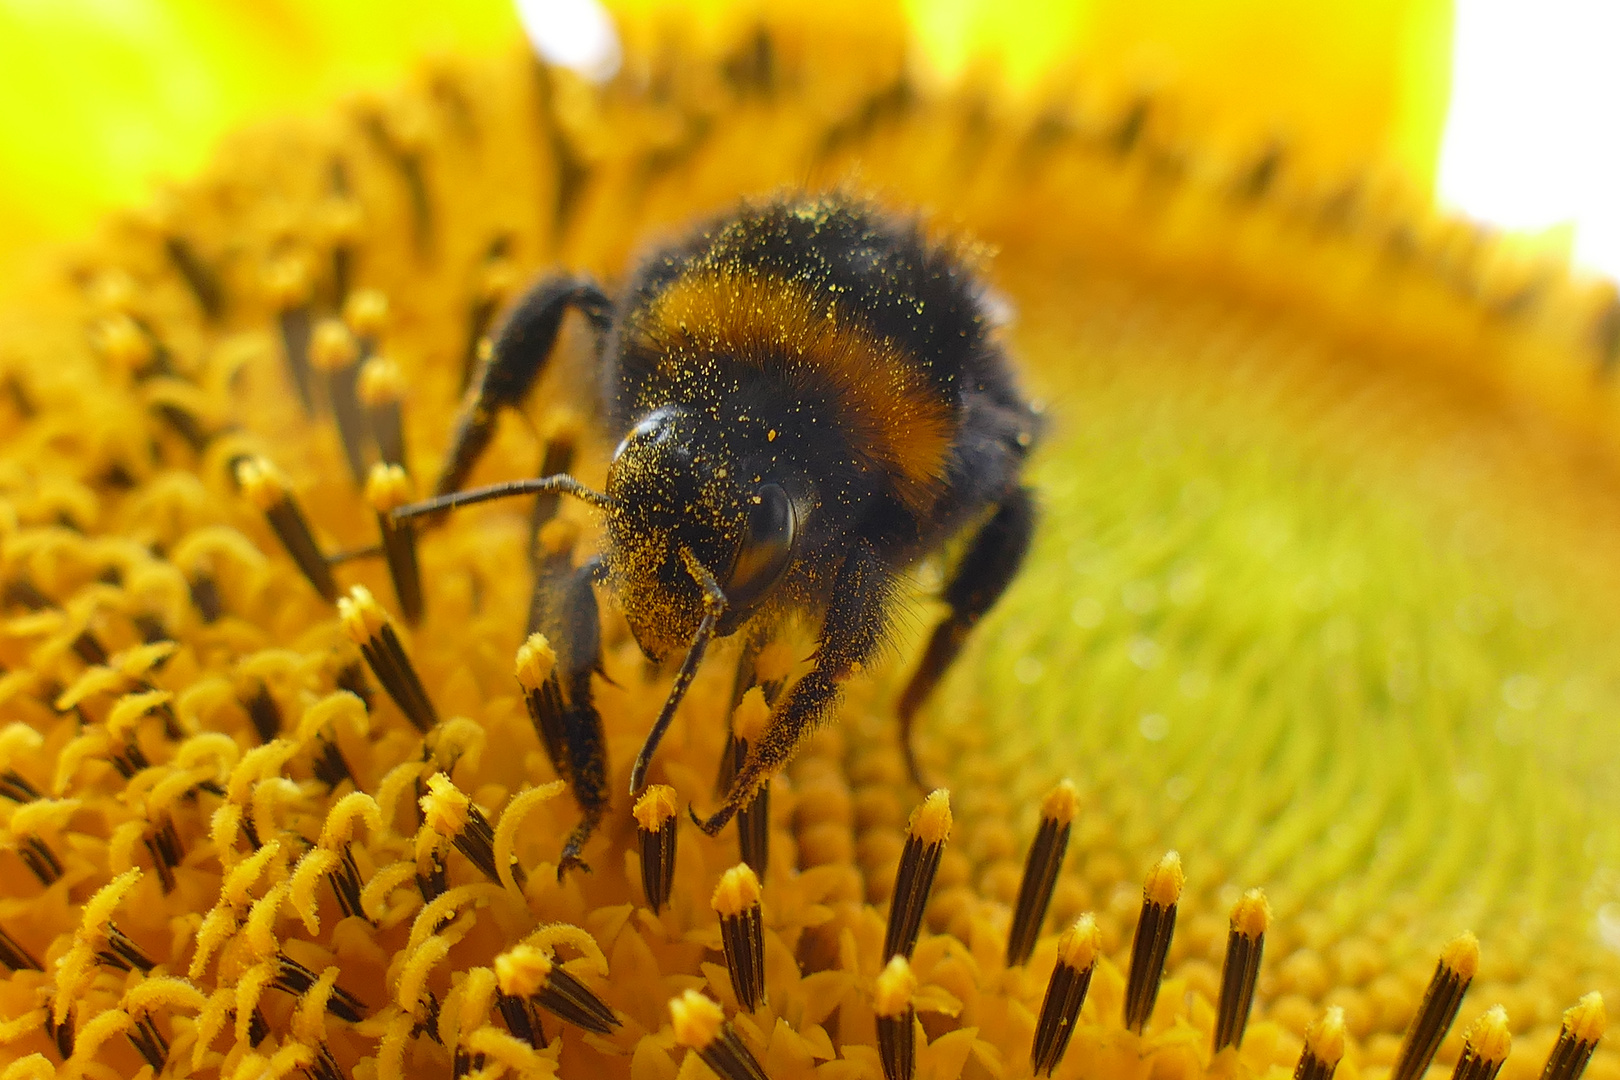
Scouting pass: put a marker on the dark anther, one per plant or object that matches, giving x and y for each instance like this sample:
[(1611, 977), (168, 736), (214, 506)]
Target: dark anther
[(1160, 894), (656, 816), (930, 827), (1040, 872), (1245, 944), (742, 933), (1065, 994), (1459, 960)]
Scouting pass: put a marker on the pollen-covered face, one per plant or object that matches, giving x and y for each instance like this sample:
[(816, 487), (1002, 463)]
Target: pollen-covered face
[(676, 488)]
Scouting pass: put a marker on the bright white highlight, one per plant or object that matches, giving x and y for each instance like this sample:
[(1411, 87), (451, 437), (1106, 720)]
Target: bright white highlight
[(1530, 140), (575, 34)]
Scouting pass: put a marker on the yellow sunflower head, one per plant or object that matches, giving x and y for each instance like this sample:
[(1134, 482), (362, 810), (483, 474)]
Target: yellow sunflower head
[(1286, 753)]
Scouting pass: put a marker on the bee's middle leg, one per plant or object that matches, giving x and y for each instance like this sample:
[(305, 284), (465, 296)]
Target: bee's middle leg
[(566, 719), (991, 563)]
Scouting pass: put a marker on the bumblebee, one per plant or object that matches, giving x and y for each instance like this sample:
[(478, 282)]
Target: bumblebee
[(811, 398)]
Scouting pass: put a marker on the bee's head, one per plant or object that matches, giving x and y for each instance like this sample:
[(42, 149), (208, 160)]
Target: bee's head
[(675, 484)]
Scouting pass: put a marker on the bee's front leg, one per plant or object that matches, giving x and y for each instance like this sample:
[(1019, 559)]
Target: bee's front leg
[(519, 354), (850, 635)]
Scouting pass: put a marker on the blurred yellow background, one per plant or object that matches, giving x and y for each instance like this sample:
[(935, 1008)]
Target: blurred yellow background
[(104, 98)]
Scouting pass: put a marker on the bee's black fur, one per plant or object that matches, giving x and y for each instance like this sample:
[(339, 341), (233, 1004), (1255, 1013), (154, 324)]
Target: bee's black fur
[(812, 398)]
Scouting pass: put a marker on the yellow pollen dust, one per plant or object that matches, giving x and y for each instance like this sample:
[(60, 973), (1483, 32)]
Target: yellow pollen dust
[(387, 487), (751, 716), (288, 280), (535, 661), (262, 483), (1587, 1019), (361, 616), (695, 1020), (381, 381), (737, 891), (445, 806), (1488, 1037), (1079, 945), (1461, 956), (332, 347), (655, 807), (366, 312), (124, 344), (894, 988), (1325, 1039), (523, 970), (931, 822), (1061, 804), (1251, 915), (1163, 885)]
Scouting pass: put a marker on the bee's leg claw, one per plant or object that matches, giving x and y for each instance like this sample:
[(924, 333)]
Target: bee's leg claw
[(712, 825), (570, 859)]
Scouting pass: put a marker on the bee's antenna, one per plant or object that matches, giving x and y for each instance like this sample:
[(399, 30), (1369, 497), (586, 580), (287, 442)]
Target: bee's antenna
[(714, 605), (540, 485)]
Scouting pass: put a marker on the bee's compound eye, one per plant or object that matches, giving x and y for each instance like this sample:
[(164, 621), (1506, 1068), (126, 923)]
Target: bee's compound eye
[(766, 548)]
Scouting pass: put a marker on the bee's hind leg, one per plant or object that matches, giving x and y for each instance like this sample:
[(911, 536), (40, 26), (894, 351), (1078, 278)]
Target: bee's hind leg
[(979, 579)]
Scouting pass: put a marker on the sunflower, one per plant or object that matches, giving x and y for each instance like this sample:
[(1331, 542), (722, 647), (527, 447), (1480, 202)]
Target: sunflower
[(1285, 754)]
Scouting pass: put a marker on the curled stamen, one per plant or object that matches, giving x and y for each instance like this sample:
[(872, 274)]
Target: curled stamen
[(382, 391), (701, 1027), (1065, 993), (655, 816), (386, 489), (896, 1019), (1160, 894), (1040, 871), (1459, 960), (742, 933), (268, 490), (1584, 1024), (447, 811), (1245, 943), (335, 354), (526, 971), (1485, 1047), (368, 626), (926, 834), (1324, 1047), (101, 935)]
